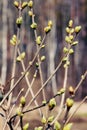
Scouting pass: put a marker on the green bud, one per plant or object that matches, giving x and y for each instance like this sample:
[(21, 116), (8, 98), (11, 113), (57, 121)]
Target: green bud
[(57, 126), (38, 128), (43, 46), (19, 21), (12, 42), (38, 40), (50, 23), (16, 4), (30, 4), (71, 37), (30, 13), (75, 43), (43, 120), (68, 40), (18, 111), (52, 103), (67, 30), (26, 126), (71, 51), (61, 91), (65, 66), (43, 58), (68, 63), (71, 90), (69, 102), (72, 30), (24, 4), (23, 100), (50, 119), (44, 102), (34, 25), (47, 29), (77, 29), (70, 23), (68, 126), (64, 59), (37, 65), (65, 49)]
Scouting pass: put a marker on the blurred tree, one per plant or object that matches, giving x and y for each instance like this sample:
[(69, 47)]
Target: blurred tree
[(4, 42)]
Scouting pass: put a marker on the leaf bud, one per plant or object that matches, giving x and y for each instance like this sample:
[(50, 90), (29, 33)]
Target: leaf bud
[(50, 23), (65, 49), (43, 58), (23, 101), (77, 29), (68, 63), (38, 40), (71, 51), (71, 90), (62, 90), (52, 103), (18, 111), (19, 21), (75, 43), (50, 119), (44, 102), (65, 66), (26, 126), (43, 120), (43, 46), (38, 128), (24, 4), (68, 126), (64, 59), (21, 56), (30, 4), (72, 30), (34, 25), (71, 37), (12, 42), (69, 102), (70, 23), (30, 13), (67, 29), (68, 40), (47, 29), (57, 126), (16, 4)]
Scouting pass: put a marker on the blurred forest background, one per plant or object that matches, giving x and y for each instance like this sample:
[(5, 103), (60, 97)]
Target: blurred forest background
[(60, 12)]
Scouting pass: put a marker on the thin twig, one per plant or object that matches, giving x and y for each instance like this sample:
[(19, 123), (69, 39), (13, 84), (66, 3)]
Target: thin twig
[(13, 70), (38, 57), (14, 62), (28, 83), (32, 109), (80, 82), (10, 112), (22, 76), (46, 82)]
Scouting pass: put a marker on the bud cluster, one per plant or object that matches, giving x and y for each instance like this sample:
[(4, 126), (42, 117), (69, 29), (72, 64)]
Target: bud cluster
[(20, 6), (70, 40), (47, 29), (71, 33), (13, 40)]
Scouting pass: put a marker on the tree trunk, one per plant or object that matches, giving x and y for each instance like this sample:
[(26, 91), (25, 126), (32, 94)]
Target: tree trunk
[(4, 42)]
